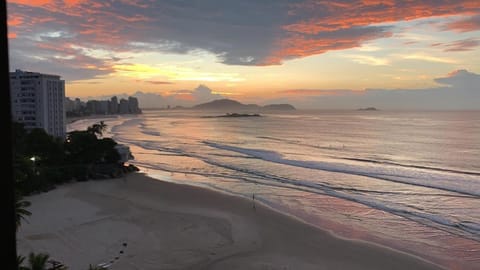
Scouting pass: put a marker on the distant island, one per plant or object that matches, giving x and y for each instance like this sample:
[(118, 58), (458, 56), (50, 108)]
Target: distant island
[(229, 104), (368, 109), (235, 115), (280, 107)]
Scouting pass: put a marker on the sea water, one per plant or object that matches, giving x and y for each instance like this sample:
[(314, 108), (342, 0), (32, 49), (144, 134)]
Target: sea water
[(407, 180)]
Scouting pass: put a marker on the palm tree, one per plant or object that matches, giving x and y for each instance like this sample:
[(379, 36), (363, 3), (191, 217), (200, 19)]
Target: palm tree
[(20, 260), (38, 261), (20, 210), (97, 129)]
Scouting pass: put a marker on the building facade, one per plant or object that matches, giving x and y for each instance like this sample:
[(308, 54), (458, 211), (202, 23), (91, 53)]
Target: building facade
[(38, 101)]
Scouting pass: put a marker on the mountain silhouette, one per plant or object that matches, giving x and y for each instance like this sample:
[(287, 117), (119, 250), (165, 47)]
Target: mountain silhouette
[(229, 104)]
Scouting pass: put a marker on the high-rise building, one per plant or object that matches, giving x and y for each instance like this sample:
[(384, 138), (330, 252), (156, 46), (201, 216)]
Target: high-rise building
[(114, 105), (123, 106), (133, 105), (78, 105), (69, 105), (38, 101), (103, 107)]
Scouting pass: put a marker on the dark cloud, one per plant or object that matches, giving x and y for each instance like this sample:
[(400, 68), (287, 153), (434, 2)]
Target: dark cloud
[(458, 91), (247, 32)]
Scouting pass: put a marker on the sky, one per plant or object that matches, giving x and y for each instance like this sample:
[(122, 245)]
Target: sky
[(310, 53)]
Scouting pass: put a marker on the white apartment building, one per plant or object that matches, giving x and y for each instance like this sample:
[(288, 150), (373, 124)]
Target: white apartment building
[(38, 101)]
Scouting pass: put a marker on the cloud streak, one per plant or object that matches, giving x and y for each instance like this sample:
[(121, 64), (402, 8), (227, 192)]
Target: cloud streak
[(155, 82), (457, 91), (459, 45)]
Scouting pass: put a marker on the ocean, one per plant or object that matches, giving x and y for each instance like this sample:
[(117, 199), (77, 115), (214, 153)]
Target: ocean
[(406, 180)]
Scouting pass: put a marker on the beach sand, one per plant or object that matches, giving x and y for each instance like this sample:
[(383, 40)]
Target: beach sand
[(172, 226)]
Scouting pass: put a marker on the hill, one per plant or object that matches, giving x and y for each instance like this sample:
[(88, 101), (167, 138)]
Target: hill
[(229, 104), (368, 109), (224, 104)]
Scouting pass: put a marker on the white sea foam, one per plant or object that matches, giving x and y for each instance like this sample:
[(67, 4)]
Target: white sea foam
[(454, 182)]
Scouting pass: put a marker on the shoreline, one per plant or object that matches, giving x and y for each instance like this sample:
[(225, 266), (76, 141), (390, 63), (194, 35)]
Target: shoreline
[(177, 226), (70, 120)]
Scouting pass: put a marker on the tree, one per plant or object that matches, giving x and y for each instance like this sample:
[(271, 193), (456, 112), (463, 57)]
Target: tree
[(42, 161), (97, 129), (81, 148), (20, 210), (19, 134), (84, 147), (106, 146), (47, 148), (38, 261), (20, 260)]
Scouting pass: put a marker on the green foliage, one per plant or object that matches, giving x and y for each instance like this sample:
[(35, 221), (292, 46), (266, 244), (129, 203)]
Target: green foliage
[(20, 210), (45, 147), (84, 147), (97, 129), (81, 147), (20, 260), (42, 161), (38, 261)]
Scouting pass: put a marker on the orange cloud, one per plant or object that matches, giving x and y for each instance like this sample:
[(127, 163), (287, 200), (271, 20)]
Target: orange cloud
[(367, 12), (14, 20), (299, 45), (73, 2), (155, 82), (465, 25), (338, 25), (43, 2), (31, 2), (12, 35), (184, 97)]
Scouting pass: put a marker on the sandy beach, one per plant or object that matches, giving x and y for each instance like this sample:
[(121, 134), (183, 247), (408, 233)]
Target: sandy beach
[(141, 223)]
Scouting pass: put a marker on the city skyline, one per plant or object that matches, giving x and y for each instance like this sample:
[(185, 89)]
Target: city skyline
[(313, 54)]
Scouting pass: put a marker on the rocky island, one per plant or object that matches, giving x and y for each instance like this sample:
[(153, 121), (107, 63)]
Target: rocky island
[(235, 115), (368, 109)]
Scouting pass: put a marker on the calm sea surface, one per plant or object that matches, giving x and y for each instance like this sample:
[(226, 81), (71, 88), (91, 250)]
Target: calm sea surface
[(408, 180)]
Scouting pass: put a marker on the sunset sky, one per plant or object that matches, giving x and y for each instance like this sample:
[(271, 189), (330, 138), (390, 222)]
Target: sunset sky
[(250, 50)]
